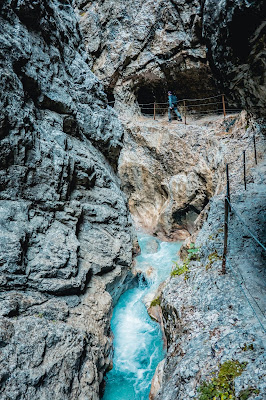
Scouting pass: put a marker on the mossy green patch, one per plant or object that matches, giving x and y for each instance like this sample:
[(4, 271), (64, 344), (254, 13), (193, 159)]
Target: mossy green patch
[(156, 302), (246, 393), (222, 387)]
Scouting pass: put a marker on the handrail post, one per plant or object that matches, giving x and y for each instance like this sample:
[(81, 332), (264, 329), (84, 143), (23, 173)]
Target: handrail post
[(223, 105), (154, 111), (185, 112), (255, 150), (225, 234), (228, 185), (244, 162)]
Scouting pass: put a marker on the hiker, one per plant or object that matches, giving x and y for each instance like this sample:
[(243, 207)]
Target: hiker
[(172, 100)]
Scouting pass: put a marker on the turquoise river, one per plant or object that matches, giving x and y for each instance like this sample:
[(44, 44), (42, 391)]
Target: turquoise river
[(138, 343)]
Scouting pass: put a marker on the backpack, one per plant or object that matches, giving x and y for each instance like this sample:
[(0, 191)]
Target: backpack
[(174, 100)]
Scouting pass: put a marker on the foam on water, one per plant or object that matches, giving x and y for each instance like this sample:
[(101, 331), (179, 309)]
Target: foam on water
[(138, 345)]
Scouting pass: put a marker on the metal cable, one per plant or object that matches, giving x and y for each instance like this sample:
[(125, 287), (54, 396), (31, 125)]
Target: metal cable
[(179, 101), (243, 281), (201, 105), (205, 98), (239, 284), (243, 222)]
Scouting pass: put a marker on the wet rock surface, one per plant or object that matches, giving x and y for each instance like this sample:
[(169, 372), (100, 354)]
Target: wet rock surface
[(168, 183), (65, 232)]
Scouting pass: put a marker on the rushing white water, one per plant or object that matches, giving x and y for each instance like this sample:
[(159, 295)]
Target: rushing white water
[(138, 344)]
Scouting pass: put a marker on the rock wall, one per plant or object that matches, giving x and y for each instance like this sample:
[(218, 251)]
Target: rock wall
[(210, 319), (171, 171), (234, 32), (140, 49), (65, 231), (168, 175)]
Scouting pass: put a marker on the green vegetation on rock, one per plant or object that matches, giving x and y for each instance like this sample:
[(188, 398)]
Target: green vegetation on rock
[(180, 269), (193, 252), (185, 267), (156, 302), (222, 387), (246, 393), (212, 258)]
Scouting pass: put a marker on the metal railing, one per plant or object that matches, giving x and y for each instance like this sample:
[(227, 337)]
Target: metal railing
[(228, 207), (187, 107)]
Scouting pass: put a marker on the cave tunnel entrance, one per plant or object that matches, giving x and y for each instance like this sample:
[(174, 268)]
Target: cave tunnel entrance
[(190, 84), (193, 83)]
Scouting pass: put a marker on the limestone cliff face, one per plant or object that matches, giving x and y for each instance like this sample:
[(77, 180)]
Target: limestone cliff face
[(141, 48), (171, 171), (65, 234), (234, 32), (168, 175)]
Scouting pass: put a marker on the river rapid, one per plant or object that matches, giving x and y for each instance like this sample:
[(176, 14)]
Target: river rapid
[(138, 342)]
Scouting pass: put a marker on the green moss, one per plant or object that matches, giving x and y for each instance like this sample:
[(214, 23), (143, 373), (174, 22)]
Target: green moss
[(214, 256), (156, 302), (246, 393), (222, 387)]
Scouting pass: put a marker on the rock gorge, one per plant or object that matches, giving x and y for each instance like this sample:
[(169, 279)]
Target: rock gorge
[(71, 166)]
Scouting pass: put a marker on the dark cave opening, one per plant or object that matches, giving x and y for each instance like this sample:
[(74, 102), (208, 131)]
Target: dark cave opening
[(242, 27), (110, 97), (149, 93)]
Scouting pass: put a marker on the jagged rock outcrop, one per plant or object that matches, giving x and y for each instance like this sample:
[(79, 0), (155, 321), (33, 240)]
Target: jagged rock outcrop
[(170, 171), (139, 49), (65, 232), (166, 174), (234, 32)]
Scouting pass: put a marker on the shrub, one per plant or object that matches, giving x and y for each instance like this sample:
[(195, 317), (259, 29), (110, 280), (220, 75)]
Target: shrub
[(181, 269), (222, 387)]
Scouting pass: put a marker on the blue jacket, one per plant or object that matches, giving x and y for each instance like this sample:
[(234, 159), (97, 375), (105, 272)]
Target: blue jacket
[(171, 102)]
